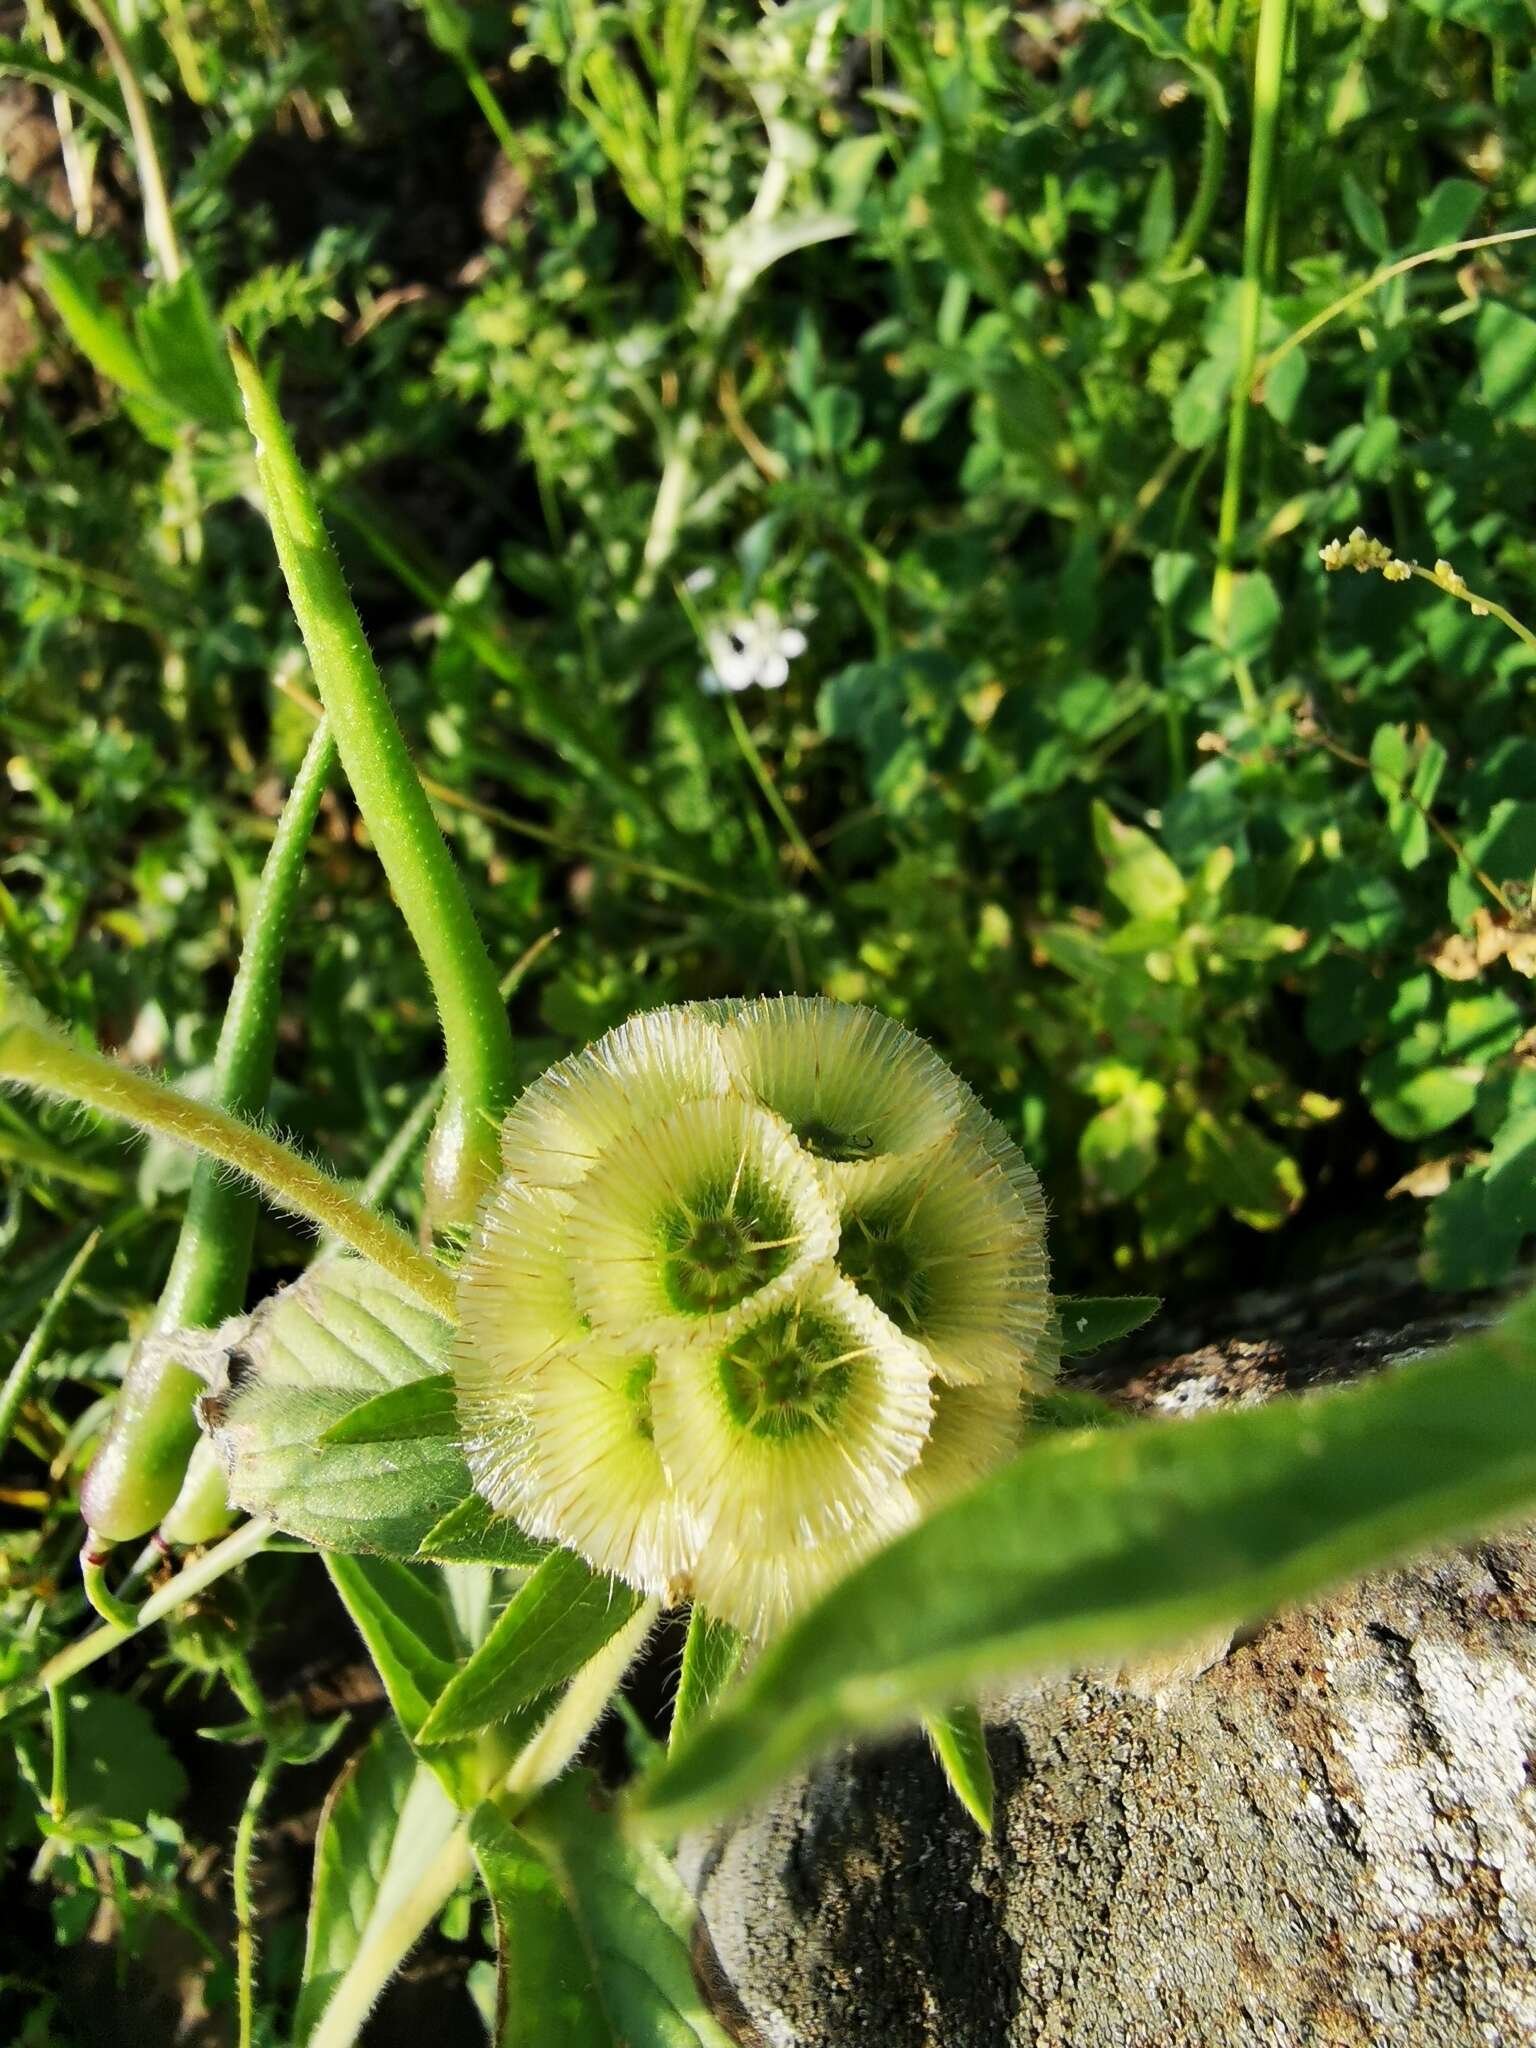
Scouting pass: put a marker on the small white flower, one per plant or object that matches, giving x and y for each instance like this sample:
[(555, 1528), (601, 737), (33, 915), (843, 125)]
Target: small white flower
[(750, 652)]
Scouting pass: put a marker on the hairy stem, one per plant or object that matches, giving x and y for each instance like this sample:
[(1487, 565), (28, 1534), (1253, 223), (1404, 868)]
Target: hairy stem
[(243, 1543), (136, 1474), (477, 1040), (1213, 152), (39, 1058), (387, 1945), (240, 1885), (538, 1764)]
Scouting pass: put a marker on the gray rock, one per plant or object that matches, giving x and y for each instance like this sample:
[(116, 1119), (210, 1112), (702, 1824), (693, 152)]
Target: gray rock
[(1324, 1838)]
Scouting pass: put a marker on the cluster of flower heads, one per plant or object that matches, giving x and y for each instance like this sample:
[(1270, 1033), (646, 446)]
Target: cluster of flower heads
[(1362, 554), (760, 1284)]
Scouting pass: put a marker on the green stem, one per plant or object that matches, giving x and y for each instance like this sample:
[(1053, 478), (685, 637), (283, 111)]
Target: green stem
[(36, 1155), (58, 1775), (1347, 301), (18, 1381), (39, 1058), (1213, 152), (389, 1943), (240, 1885), (208, 1274), (538, 1764), (158, 229), (139, 1469), (753, 757), (135, 1477), (594, 759), (477, 1039), (236, 1548), (1268, 78)]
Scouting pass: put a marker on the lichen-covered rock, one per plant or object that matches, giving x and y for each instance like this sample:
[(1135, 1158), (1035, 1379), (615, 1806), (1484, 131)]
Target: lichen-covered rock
[(1324, 1839)]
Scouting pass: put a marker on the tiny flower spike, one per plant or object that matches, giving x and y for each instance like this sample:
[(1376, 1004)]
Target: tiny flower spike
[(761, 1284)]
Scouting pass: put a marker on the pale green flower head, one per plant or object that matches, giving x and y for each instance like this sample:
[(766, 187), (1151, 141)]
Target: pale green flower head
[(761, 1284)]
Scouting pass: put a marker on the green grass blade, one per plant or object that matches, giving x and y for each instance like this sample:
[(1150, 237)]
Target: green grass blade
[(18, 1381)]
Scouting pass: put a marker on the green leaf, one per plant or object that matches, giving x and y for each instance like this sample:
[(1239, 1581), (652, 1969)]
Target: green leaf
[(72, 279), (404, 1620), (1071, 1408), (560, 1618), (633, 1917), (385, 1819), (296, 1413), (1468, 1237), (403, 1617), (1200, 404), (1138, 872), (420, 1408), (960, 1743), (1414, 1105), (1124, 1540), (1247, 1173), (1118, 1147), (545, 1990), (181, 345), (1504, 849), (1256, 613), (1365, 215), (120, 1765), (711, 1654), (1089, 1321), (1362, 911), (1511, 1173), (473, 1533), (1506, 362), (20, 60)]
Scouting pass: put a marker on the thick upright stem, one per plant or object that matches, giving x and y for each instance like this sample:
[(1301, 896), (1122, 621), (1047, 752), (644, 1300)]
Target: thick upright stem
[(477, 1040), (140, 1467)]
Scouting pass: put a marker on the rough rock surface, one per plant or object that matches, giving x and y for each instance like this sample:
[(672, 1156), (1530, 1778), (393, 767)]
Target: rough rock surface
[(1324, 1839)]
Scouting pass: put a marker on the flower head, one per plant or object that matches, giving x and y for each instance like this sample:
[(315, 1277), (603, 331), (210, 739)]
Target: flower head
[(751, 652), (761, 1283)]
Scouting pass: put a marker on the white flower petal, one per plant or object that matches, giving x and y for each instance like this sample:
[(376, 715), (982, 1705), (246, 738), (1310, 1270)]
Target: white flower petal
[(516, 1302), (952, 1248), (720, 1179), (588, 1475), (760, 1590), (974, 1429), (852, 1084), (560, 1127)]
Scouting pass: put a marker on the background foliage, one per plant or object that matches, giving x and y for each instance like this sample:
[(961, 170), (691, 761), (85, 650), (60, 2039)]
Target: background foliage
[(902, 340)]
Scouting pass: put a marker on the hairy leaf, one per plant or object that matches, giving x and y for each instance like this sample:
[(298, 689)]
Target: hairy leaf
[(1119, 1540), (560, 1618)]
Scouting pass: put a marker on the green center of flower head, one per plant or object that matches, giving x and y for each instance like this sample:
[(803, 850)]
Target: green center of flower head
[(788, 1374), (724, 1243), (637, 1393), (828, 1141), (877, 1255)]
